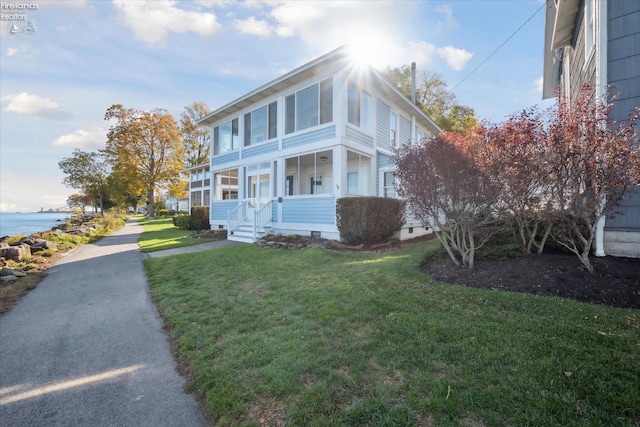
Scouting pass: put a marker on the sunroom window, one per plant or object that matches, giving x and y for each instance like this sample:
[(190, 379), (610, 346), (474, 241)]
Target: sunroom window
[(309, 107), (261, 124), (358, 174), (226, 137), (225, 185), (309, 174)]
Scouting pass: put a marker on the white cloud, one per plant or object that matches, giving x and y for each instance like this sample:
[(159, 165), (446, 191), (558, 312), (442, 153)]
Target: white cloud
[(424, 54), (152, 20), (83, 138), (538, 85), (12, 51), (449, 21), (253, 26), (375, 28), (455, 57), (34, 105)]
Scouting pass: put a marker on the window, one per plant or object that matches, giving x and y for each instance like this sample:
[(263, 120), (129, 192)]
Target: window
[(261, 124), (309, 174), (206, 197), (309, 107), (388, 180), (196, 198), (589, 28), (225, 185), (226, 137), (360, 107), (393, 129)]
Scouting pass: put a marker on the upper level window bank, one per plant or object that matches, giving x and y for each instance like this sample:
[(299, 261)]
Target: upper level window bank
[(226, 137), (309, 107), (261, 124)]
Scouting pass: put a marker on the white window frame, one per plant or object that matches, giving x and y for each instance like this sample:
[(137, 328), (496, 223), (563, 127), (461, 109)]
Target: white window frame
[(323, 110), (589, 30), (362, 117), (394, 131), (382, 188)]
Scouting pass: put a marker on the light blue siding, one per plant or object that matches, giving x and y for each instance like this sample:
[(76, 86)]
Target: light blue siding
[(309, 137), (312, 210), (405, 130), (225, 158), (356, 135), (383, 123), (274, 210), (220, 210), (271, 147)]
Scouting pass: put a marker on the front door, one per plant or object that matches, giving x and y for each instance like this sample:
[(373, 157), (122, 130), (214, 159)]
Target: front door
[(258, 186)]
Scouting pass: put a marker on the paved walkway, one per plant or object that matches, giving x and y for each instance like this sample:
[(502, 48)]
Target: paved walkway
[(86, 347)]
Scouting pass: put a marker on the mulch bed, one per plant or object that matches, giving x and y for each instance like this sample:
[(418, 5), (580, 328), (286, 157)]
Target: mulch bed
[(616, 282)]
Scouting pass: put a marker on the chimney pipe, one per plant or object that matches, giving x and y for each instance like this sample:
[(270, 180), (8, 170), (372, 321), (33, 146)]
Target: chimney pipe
[(413, 83)]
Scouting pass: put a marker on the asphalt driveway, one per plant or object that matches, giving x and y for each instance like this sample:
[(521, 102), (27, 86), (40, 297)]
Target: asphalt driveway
[(86, 347)]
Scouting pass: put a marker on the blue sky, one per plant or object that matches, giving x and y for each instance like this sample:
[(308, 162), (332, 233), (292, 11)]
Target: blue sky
[(57, 82)]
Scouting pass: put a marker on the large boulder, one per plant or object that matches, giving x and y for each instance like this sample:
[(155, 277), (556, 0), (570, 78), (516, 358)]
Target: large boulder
[(15, 253), (10, 272), (42, 244)]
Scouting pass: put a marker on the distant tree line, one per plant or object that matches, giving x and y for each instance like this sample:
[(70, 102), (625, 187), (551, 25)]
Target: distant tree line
[(144, 152)]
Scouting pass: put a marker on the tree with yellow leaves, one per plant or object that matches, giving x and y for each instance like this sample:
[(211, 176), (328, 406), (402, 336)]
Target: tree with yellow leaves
[(146, 146)]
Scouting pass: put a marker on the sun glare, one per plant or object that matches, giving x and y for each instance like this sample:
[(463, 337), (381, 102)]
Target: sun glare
[(369, 48)]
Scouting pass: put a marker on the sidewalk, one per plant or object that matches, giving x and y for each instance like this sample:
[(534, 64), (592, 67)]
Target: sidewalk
[(86, 347)]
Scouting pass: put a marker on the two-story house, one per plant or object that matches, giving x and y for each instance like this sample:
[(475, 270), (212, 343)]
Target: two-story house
[(598, 42), (282, 154)]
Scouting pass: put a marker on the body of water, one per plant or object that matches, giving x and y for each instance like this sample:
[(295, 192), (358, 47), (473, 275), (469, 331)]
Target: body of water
[(29, 223)]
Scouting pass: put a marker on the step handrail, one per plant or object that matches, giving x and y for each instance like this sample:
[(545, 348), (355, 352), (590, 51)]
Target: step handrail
[(261, 217), (235, 215)]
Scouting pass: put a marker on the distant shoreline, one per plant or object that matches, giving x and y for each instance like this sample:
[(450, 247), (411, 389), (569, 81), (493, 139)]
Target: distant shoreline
[(28, 223)]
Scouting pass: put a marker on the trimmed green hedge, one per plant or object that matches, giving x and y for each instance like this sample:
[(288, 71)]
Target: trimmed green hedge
[(365, 219), (200, 218)]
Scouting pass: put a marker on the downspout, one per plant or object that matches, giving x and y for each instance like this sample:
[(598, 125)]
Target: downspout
[(601, 87)]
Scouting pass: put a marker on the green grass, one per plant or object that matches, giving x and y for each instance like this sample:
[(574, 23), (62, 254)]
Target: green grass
[(160, 234), (320, 338)]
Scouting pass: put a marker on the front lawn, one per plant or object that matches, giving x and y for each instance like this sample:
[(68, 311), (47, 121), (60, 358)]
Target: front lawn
[(160, 234), (315, 337)]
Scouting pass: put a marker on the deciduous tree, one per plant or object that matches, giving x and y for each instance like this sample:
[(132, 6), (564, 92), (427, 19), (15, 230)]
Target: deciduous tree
[(448, 190), (88, 172), (595, 162), (195, 137), (521, 162), (434, 98), (146, 146)]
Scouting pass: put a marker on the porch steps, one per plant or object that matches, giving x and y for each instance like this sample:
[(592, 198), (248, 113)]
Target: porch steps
[(244, 234)]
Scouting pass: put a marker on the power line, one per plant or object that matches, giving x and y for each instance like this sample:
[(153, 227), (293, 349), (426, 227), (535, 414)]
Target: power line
[(498, 48)]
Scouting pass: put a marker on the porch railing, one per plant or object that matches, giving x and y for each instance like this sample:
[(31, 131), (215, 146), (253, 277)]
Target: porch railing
[(236, 215), (261, 217)]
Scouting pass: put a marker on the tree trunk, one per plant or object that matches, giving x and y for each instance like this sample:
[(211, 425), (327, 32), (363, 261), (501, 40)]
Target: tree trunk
[(151, 212)]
